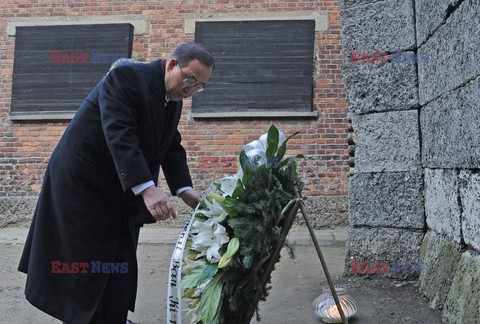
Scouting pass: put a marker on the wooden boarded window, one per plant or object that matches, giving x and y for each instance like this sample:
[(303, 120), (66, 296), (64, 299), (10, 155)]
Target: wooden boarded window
[(55, 67), (261, 66)]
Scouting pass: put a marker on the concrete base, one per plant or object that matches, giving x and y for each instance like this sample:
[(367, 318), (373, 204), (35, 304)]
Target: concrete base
[(463, 301), (441, 255), (453, 279)]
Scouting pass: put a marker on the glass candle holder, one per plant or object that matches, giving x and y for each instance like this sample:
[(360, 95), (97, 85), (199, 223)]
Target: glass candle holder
[(324, 305)]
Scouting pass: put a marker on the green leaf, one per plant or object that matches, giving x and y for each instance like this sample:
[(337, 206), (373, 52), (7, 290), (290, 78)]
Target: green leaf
[(213, 196), (229, 205), (246, 178), (294, 168), (229, 202), (284, 162), (209, 272), (272, 142), (239, 191), (210, 301), (246, 167), (188, 293), (218, 185), (194, 302), (289, 160), (243, 160), (281, 151), (193, 278), (232, 247), (224, 261)]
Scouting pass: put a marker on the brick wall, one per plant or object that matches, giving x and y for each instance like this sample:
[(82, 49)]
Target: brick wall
[(26, 146)]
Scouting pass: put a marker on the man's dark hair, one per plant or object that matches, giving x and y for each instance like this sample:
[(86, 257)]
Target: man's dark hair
[(193, 51)]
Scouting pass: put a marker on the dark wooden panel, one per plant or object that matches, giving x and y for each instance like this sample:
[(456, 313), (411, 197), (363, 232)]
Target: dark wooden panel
[(43, 81), (260, 66)]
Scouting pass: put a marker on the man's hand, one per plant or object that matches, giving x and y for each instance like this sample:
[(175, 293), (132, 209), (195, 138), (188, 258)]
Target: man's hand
[(191, 197), (158, 203)]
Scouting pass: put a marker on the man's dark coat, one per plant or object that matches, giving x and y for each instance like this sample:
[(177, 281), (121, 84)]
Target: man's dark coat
[(118, 139)]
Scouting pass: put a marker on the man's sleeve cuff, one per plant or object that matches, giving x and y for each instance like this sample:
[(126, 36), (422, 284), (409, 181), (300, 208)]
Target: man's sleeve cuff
[(182, 189), (141, 187)]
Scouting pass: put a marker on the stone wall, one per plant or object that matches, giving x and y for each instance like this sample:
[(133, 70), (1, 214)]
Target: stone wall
[(386, 213), (415, 191)]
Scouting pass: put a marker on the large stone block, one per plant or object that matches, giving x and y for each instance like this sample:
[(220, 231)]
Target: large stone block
[(463, 301), (391, 199), (326, 212), (442, 206), (470, 197), (453, 53), (383, 245), (429, 16), (384, 26), (372, 87), (441, 256), (387, 142), (450, 133)]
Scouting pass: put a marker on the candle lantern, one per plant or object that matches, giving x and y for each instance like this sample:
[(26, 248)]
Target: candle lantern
[(324, 305)]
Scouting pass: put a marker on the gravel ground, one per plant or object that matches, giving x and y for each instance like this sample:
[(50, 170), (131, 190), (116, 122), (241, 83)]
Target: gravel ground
[(296, 283)]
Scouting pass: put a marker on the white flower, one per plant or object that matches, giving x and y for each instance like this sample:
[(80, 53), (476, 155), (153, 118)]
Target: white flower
[(190, 264), (209, 239), (214, 209), (209, 236), (228, 184), (256, 144), (256, 158)]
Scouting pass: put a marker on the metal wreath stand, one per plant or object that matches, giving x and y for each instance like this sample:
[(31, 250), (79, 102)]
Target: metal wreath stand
[(298, 203)]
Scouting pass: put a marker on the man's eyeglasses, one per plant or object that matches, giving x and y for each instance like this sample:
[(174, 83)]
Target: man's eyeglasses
[(192, 82)]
